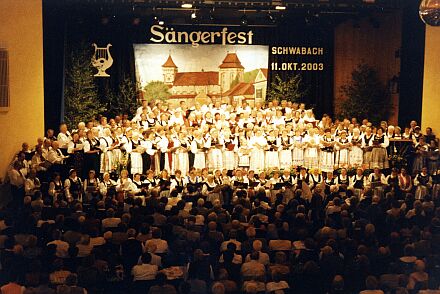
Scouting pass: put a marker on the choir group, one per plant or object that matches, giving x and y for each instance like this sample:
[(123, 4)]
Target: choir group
[(217, 145)]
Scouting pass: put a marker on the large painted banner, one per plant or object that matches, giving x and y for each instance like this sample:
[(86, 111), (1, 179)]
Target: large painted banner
[(202, 73)]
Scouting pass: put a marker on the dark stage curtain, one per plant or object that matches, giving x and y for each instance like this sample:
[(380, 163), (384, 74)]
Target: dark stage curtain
[(412, 65), (54, 25)]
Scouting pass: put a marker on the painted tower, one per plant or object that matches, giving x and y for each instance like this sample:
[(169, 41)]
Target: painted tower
[(230, 71), (169, 70)]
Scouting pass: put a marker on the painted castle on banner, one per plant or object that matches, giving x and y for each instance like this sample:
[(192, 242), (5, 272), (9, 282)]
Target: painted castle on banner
[(227, 81)]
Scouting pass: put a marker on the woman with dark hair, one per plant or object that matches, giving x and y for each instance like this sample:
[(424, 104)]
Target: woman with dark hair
[(56, 187), (162, 286), (199, 268), (71, 286), (379, 156), (75, 149), (91, 186)]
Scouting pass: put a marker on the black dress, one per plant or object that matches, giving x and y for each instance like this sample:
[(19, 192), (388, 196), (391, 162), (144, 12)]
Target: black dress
[(77, 160), (92, 160)]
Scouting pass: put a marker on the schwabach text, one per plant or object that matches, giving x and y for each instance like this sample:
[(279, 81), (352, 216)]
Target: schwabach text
[(162, 34)]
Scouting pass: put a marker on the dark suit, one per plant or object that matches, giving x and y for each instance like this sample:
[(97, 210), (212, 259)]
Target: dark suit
[(131, 249)]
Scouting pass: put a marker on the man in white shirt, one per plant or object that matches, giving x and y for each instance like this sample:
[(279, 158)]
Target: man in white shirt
[(32, 183), (161, 245), (47, 146), (111, 221), (38, 161), (55, 156), (16, 180), (253, 269), (144, 271), (57, 159), (64, 138), (62, 247), (263, 257), (232, 239)]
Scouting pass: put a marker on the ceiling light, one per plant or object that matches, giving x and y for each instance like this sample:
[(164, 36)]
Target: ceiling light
[(211, 14), (187, 5), (161, 21), (244, 20), (136, 21), (280, 7), (270, 17), (194, 15)]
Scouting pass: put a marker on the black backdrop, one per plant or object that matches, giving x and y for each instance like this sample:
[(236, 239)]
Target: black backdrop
[(63, 31)]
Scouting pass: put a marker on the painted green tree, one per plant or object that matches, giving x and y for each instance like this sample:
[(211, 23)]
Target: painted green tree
[(366, 96), (234, 82), (81, 100), (156, 90), (290, 89)]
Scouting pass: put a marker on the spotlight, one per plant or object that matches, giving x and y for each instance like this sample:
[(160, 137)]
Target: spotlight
[(105, 20), (311, 18), (211, 14), (244, 20), (161, 19), (194, 15), (270, 17), (157, 20), (136, 21), (187, 5), (280, 7)]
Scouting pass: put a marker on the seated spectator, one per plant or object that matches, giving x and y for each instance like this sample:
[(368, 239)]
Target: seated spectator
[(418, 280), (162, 286), (229, 285), (12, 287), (61, 246), (337, 286), (131, 249), (218, 288), (59, 274), (161, 245), (84, 246), (71, 286), (277, 284), (155, 259), (263, 257), (200, 268), (371, 285), (110, 222), (279, 265), (253, 269), (144, 271), (43, 288), (232, 239)]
